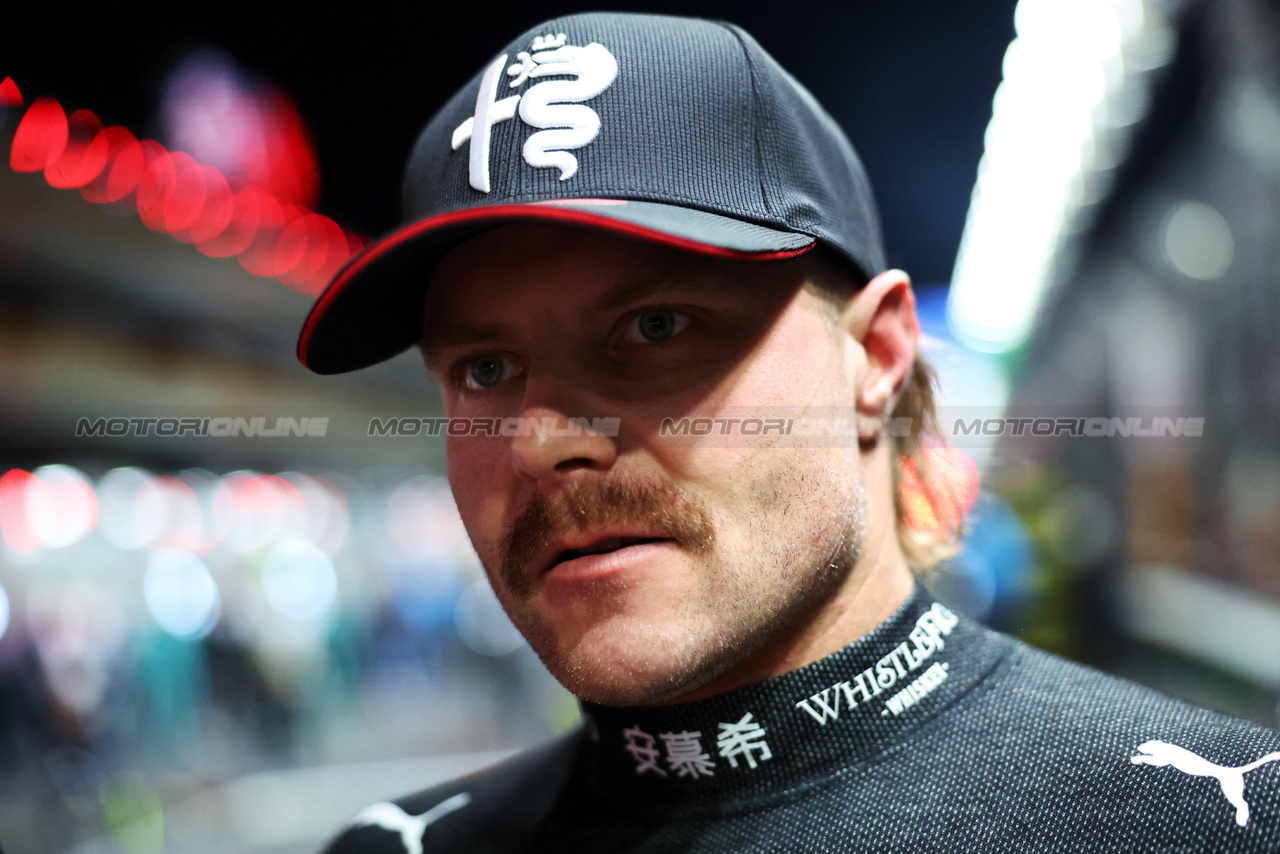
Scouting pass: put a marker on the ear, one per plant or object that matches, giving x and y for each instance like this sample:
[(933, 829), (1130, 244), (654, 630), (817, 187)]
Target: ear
[(882, 318)]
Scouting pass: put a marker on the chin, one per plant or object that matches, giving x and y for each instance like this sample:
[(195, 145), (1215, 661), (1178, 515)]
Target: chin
[(615, 664)]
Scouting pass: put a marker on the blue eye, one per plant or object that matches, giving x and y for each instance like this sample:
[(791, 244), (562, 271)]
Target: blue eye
[(653, 325), (489, 370)]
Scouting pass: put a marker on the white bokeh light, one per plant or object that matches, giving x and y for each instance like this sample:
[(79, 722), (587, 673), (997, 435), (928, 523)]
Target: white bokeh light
[(168, 514), (256, 510), (65, 511), (482, 624), (4, 611), (298, 579), (118, 493), (181, 594), (1198, 241), (423, 519), (327, 518), (1074, 77)]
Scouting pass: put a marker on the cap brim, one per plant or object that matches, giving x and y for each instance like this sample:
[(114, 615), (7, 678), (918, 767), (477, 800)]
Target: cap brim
[(372, 310)]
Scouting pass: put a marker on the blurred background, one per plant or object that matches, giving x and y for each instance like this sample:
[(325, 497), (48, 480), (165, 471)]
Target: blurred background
[(228, 620)]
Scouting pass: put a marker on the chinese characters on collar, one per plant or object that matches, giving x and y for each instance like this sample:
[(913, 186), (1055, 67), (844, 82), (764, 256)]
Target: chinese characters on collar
[(742, 741), (742, 744)]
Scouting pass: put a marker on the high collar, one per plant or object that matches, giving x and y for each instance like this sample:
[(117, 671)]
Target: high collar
[(796, 729)]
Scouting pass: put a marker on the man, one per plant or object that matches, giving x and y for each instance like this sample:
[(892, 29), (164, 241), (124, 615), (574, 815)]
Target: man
[(637, 250)]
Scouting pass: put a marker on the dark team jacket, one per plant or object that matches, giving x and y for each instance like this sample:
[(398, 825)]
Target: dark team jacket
[(931, 733)]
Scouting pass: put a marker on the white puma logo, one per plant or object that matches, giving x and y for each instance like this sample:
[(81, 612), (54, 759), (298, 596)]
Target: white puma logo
[(410, 827), (1160, 753)]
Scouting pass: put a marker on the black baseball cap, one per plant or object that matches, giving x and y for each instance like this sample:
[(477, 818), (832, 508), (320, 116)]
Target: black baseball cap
[(680, 131)]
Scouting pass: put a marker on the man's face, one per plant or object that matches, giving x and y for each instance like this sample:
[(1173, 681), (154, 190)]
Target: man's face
[(641, 567)]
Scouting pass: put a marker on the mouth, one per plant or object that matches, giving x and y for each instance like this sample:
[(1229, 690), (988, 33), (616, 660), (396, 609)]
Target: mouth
[(612, 544)]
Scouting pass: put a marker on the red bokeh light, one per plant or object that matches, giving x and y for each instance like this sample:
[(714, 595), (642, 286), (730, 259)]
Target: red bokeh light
[(15, 523), (339, 252), (266, 256), (184, 200), (239, 234), (85, 154), (120, 171), (285, 163), (9, 94), (157, 179), (215, 215), (252, 215), (309, 230), (40, 138)]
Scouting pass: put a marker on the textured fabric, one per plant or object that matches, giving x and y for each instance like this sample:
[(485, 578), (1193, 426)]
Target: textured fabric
[(930, 734), (698, 117)]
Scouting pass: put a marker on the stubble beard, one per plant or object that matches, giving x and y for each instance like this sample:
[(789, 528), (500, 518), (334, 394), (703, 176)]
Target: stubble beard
[(775, 584), (800, 580)]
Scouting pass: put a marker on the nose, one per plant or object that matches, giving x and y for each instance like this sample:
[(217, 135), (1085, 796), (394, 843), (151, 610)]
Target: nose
[(551, 446)]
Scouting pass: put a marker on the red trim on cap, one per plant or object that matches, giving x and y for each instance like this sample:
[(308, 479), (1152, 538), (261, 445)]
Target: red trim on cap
[(533, 210)]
